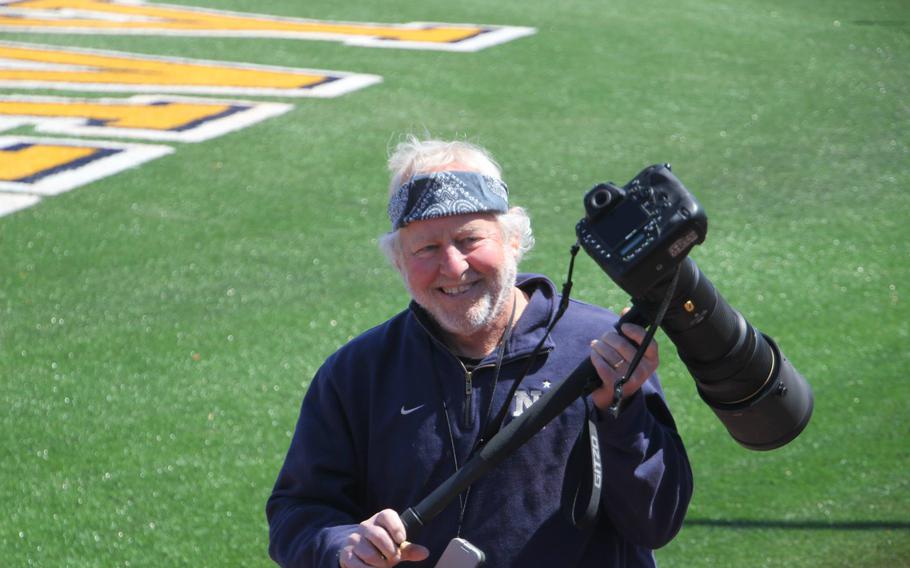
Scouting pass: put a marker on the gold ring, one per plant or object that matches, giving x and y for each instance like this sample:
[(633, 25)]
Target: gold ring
[(618, 363)]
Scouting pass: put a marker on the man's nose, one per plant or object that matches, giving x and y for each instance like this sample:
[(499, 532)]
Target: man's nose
[(454, 262)]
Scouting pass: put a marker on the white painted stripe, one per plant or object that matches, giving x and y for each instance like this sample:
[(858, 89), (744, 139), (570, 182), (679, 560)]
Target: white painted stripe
[(12, 202)]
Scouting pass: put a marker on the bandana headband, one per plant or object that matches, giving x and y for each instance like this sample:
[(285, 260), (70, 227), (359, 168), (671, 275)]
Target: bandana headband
[(447, 193)]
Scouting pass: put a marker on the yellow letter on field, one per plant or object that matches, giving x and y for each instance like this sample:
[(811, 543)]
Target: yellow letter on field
[(158, 117), (31, 66), (132, 17), (48, 166)]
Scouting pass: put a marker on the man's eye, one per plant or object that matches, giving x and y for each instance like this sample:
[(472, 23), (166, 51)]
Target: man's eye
[(425, 250)]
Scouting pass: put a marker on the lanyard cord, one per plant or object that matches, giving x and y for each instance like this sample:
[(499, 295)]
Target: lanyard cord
[(499, 357), (462, 497)]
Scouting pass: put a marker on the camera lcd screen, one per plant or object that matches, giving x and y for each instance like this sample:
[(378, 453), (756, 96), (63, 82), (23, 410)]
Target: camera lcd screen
[(620, 223)]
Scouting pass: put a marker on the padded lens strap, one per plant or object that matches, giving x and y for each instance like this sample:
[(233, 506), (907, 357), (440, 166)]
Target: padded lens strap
[(585, 466)]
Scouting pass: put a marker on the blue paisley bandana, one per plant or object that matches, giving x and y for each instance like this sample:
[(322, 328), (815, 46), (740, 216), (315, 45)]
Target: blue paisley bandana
[(447, 193)]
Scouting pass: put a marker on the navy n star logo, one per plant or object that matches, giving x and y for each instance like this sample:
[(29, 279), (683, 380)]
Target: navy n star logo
[(523, 400)]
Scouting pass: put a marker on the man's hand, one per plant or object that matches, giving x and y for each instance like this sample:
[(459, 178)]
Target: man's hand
[(380, 541), (611, 355)]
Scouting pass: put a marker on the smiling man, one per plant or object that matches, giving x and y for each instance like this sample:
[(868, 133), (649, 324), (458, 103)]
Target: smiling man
[(395, 412)]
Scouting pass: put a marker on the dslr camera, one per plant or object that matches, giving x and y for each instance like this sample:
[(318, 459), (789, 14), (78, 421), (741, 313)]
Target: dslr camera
[(640, 234)]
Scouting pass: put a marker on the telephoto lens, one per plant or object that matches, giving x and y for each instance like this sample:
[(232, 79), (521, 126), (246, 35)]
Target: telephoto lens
[(754, 390)]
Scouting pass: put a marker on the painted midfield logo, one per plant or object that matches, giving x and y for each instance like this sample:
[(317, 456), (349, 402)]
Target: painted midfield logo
[(33, 168)]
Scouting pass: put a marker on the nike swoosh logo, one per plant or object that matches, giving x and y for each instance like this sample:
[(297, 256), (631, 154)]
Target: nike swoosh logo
[(405, 412)]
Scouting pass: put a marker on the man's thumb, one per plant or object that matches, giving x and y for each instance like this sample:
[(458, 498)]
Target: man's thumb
[(411, 552)]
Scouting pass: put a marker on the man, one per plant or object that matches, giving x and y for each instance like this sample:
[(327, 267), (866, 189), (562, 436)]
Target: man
[(398, 410)]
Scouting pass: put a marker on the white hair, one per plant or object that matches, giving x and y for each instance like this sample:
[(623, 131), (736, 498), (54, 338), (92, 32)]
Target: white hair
[(414, 156)]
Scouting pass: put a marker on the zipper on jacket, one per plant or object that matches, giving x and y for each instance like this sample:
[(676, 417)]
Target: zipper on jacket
[(467, 417)]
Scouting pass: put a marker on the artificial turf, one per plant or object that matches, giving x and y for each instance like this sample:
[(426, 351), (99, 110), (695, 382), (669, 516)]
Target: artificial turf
[(158, 328)]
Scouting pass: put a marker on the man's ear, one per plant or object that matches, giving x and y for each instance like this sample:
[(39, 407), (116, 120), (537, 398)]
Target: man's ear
[(515, 245)]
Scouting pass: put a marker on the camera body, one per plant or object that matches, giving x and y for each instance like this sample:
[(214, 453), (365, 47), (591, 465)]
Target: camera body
[(640, 232)]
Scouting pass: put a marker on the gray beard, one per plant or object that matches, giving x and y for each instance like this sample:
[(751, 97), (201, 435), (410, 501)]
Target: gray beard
[(486, 311)]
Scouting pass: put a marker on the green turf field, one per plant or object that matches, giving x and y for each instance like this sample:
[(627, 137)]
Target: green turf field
[(159, 327)]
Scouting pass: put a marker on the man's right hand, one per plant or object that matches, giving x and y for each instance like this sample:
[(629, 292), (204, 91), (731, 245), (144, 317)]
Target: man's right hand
[(380, 541)]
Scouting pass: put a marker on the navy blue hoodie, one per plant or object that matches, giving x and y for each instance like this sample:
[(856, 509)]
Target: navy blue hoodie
[(372, 435)]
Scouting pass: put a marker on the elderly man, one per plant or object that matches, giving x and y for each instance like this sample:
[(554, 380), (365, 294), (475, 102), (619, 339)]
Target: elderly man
[(402, 407)]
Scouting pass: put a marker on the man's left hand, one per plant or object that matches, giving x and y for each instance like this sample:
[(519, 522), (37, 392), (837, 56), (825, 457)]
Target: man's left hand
[(611, 355)]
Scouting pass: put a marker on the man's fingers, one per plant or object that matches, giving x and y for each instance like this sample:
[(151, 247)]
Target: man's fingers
[(623, 348), (637, 334), (613, 353), (411, 552), (380, 541), (376, 544), (603, 368), (608, 353), (349, 557), (391, 522)]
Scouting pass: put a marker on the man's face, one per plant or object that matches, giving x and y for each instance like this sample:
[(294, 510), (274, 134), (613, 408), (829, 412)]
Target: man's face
[(459, 269)]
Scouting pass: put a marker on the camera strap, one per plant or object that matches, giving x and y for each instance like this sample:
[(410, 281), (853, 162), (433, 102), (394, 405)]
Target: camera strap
[(640, 352)]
